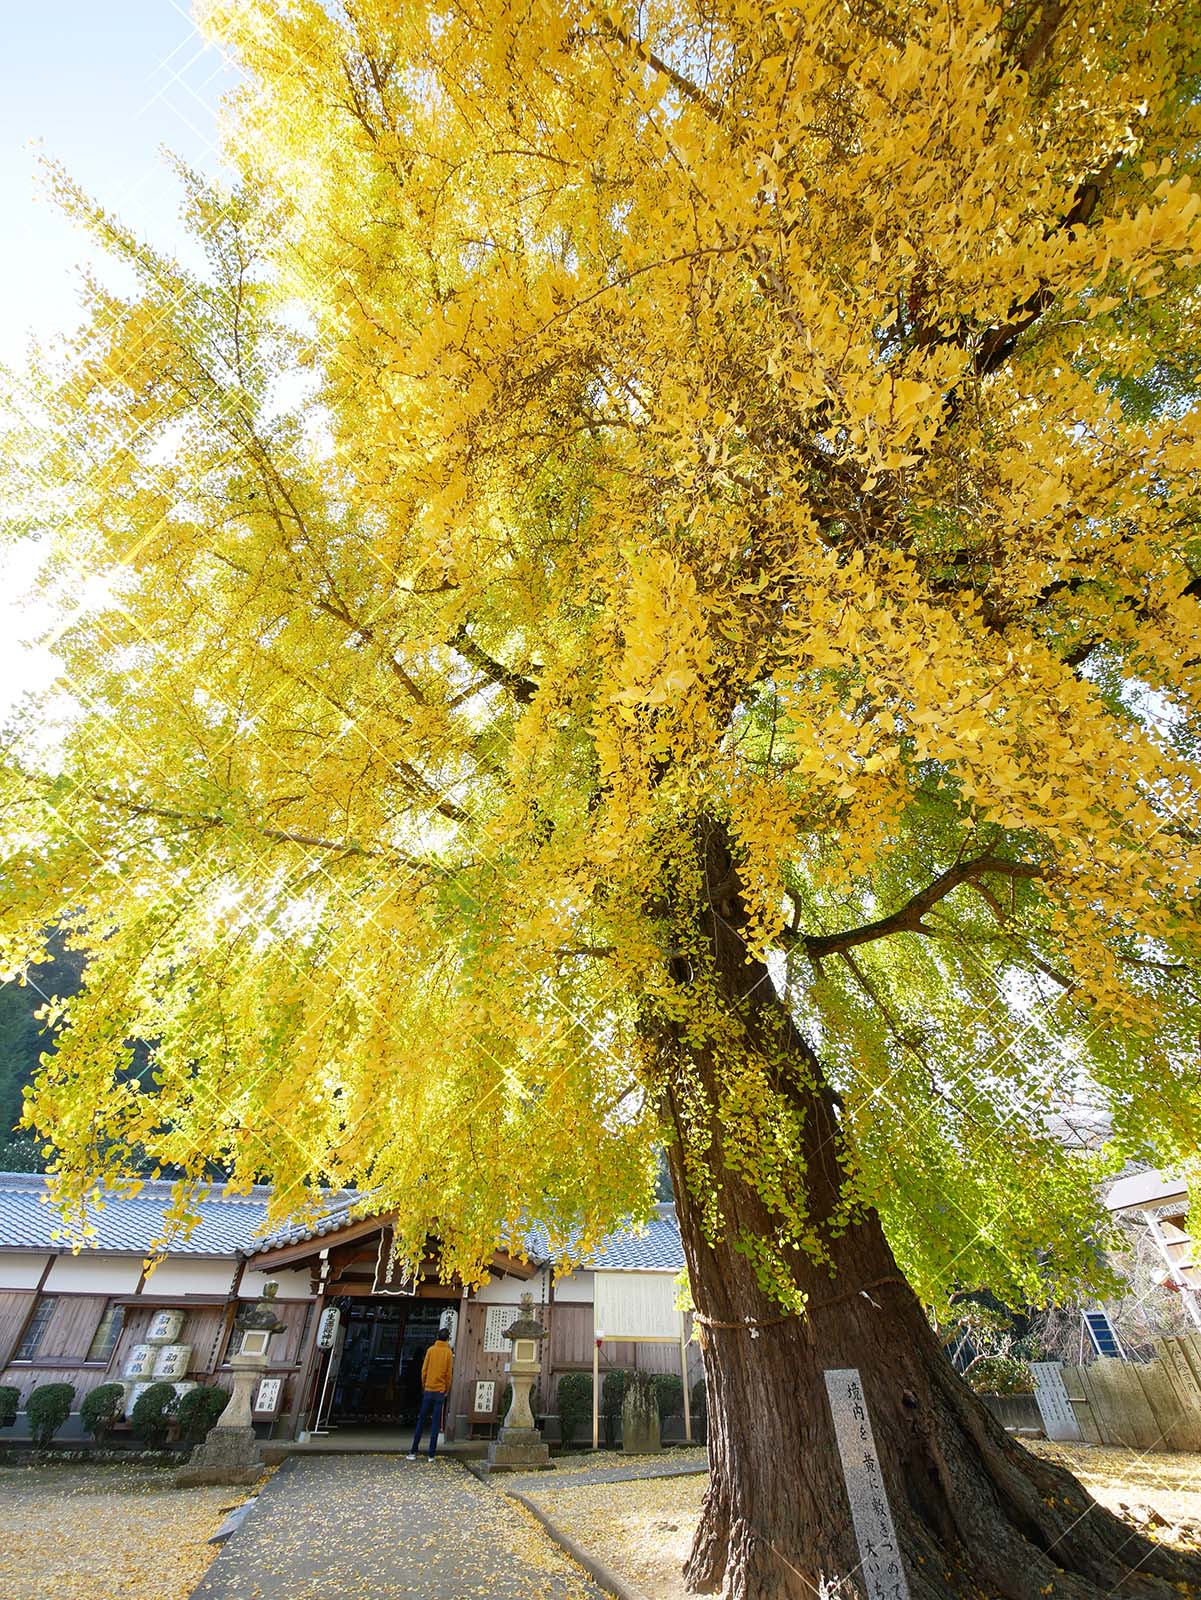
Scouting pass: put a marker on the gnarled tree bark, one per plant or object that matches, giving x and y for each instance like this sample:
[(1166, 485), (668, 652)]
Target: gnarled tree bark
[(975, 1513)]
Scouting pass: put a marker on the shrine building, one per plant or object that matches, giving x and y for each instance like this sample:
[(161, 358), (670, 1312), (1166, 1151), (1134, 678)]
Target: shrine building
[(350, 1352)]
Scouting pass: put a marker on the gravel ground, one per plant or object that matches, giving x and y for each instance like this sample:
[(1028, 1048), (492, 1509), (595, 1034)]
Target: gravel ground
[(642, 1529), (94, 1532), (611, 1466)]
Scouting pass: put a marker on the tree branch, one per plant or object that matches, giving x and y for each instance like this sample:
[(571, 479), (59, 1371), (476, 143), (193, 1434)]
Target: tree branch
[(908, 918), (522, 689), (678, 81), (208, 819)]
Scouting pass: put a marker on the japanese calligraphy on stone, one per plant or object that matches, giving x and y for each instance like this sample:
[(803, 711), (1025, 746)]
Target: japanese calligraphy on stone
[(1054, 1406), (883, 1576)]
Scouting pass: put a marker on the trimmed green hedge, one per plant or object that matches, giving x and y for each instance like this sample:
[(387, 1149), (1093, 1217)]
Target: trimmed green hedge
[(700, 1410), (613, 1392), (153, 1411), (575, 1403), (198, 1411), (669, 1396), (48, 1407), (10, 1404), (100, 1409)]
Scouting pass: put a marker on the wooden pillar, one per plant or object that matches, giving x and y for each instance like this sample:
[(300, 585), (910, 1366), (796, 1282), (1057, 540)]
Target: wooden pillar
[(303, 1379), (684, 1379), (596, 1344), (220, 1354), (459, 1378)]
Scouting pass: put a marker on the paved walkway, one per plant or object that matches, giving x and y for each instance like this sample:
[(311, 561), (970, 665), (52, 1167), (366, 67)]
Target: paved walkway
[(364, 1527), (374, 1440), (612, 1469)]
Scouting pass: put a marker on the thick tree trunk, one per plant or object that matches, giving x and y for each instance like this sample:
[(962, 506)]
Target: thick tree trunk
[(974, 1512)]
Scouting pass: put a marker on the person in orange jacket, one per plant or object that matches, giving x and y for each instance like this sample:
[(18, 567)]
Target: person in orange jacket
[(436, 1372)]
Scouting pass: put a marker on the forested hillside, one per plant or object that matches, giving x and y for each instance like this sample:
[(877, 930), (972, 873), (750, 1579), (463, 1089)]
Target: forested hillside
[(22, 1039)]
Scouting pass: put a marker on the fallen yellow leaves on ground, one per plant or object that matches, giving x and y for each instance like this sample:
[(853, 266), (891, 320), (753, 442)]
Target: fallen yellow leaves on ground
[(92, 1532), (1158, 1491), (642, 1529)]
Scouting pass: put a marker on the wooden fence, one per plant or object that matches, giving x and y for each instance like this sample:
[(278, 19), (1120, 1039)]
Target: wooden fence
[(1142, 1405)]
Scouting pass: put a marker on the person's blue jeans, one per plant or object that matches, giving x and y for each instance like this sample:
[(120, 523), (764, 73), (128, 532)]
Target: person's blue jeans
[(432, 1401)]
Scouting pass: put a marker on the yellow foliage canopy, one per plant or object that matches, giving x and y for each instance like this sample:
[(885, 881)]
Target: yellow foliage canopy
[(595, 423)]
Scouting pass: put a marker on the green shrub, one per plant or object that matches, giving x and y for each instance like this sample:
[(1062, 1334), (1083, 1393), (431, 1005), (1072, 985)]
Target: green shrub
[(575, 1403), (48, 1407), (1000, 1375), (198, 1410), (613, 1392), (700, 1410), (669, 1396), (153, 1411), (506, 1399), (10, 1404), (101, 1408)]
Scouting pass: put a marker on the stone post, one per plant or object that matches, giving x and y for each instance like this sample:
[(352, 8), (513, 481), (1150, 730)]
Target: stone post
[(230, 1453), (519, 1446), (640, 1417)]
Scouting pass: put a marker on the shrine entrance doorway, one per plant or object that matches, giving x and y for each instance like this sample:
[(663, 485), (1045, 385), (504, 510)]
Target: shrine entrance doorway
[(379, 1374)]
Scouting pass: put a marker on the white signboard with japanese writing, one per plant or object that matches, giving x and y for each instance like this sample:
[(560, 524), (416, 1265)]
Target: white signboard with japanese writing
[(636, 1305), (496, 1320), (267, 1399), (485, 1397), (1054, 1406), (883, 1574)]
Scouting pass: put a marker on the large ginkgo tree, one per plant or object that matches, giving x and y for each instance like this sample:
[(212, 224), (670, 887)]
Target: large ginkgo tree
[(647, 593)]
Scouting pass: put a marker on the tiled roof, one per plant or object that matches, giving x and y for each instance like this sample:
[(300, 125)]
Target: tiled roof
[(343, 1211), (230, 1226), (656, 1249), (128, 1225)]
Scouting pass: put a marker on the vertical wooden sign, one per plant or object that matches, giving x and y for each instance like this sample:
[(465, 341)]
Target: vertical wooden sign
[(392, 1275)]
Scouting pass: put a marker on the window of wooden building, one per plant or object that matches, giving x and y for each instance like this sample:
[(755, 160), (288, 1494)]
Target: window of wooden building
[(105, 1338), (36, 1327)]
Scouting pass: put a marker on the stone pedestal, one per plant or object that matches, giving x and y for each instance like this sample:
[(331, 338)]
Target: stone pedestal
[(518, 1450), (248, 1369), (226, 1455)]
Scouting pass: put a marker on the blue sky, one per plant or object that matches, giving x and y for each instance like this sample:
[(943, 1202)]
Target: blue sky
[(102, 86)]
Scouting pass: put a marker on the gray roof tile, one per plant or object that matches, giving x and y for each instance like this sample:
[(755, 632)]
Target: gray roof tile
[(127, 1224), (230, 1225)]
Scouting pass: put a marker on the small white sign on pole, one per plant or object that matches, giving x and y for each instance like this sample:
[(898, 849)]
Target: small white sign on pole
[(871, 1517)]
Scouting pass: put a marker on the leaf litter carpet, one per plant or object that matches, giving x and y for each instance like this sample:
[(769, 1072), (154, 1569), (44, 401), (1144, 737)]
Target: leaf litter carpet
[(375, 1527)]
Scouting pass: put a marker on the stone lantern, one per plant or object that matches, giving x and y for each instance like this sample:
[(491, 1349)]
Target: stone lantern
[(519, 1446), (229, 1453)]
